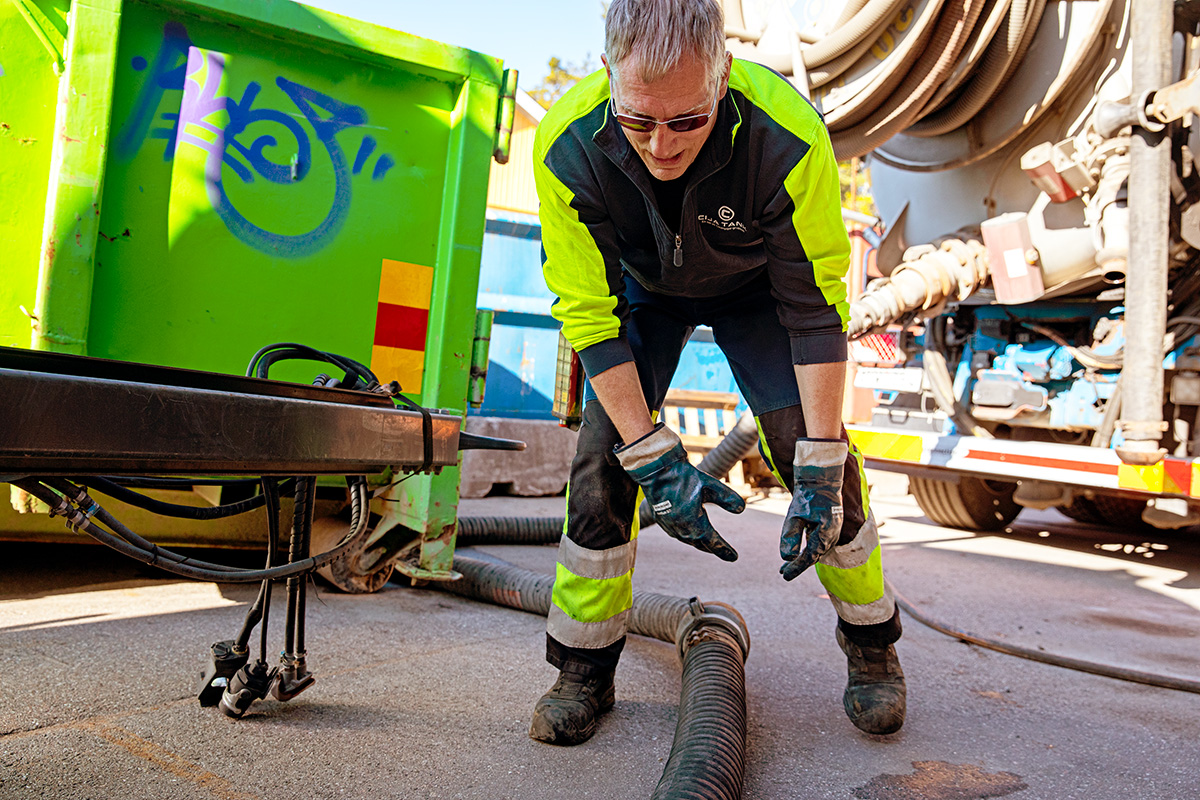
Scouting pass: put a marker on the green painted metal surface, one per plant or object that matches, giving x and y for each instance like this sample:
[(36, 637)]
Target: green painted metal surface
[(28, 95), (77, 165), (230, 174)]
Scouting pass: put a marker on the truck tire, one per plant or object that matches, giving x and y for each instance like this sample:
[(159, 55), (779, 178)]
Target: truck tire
[(1106, 511), (972, 504)]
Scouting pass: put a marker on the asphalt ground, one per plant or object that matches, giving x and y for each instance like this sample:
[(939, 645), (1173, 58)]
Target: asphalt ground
[(422, 694)]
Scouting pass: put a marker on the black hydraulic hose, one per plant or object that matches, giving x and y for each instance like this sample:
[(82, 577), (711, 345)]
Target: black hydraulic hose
[(144, 482), (266, 618), (272, 552), (297, 550), (305, 550), (81, 498), (255, 615), (1079, 664), (733, 447), (171, 509), (708, 755), (260, 362), (162, 558)]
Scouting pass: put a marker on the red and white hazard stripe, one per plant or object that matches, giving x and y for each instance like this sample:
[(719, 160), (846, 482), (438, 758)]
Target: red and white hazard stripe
[(1075, 465)]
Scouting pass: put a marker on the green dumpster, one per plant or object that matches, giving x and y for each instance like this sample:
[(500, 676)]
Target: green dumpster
[(186, 181)]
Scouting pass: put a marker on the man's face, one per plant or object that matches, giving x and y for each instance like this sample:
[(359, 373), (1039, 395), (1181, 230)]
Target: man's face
[(684, 91)]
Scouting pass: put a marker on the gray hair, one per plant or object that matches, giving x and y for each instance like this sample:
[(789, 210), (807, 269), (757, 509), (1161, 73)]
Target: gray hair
[(661, 33)]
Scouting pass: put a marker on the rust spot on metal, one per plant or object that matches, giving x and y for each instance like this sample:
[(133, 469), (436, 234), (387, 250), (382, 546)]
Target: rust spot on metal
[(939, 780)]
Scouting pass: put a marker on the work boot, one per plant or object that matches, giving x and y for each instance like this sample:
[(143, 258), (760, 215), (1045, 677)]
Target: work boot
[(875, 696), (567, 713)]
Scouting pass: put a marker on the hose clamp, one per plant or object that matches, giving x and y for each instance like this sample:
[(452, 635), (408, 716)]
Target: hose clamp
[(715, 614), (79, 518)]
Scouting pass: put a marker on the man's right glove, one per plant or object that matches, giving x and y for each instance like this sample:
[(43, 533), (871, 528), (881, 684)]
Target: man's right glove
[(677, 491), (815, 515)]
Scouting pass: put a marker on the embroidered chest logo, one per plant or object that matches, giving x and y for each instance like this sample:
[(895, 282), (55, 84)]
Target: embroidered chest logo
[(725, 220)]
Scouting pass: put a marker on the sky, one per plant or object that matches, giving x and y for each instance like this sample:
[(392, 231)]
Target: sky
[(525, 33)]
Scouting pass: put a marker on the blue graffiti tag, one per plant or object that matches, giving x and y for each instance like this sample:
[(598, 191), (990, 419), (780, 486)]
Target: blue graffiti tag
[(198, 73), (167, 73)]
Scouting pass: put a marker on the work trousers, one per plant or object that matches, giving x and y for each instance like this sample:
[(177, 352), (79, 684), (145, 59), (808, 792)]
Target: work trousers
[(593, 588)]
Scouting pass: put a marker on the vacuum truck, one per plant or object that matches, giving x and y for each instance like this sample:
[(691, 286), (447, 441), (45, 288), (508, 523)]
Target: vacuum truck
[(1031, 335)]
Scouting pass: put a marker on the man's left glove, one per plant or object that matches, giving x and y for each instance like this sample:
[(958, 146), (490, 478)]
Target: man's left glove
[(677, 491), (815, 516)]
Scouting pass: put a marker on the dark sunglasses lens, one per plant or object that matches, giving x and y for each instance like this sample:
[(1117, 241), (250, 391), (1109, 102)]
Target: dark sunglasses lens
[(690, 124), (636, 123)]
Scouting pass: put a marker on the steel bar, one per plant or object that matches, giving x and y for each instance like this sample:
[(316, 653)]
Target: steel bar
[(66, 424), (1146, 285)]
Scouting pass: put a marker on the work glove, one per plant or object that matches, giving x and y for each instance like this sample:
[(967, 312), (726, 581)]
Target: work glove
[(815, 515), (677, 491)]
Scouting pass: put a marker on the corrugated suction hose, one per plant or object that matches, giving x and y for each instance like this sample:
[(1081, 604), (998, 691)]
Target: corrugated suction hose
[(509, 530), (736, 445), (708, 755)]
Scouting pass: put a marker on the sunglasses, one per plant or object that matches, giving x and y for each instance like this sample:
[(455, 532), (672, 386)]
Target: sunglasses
[(680, 124)]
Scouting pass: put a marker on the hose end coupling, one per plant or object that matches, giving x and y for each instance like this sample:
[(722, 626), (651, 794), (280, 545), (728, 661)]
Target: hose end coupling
[(705, 619)]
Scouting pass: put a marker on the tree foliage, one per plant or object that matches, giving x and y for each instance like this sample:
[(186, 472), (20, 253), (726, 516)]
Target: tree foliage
[(560, 77), (856, 186)]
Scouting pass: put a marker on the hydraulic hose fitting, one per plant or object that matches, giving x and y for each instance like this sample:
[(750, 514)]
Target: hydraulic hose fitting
[(707, 619), (224, 660), (250, 683), (291, 678)]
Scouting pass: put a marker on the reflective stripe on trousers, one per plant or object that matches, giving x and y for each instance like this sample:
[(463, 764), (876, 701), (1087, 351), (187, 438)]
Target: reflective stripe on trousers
[(593, 592), (852, 572), (853, 575)]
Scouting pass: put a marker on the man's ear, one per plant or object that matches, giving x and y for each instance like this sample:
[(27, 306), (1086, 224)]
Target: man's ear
[(607, 69), (725, 75)]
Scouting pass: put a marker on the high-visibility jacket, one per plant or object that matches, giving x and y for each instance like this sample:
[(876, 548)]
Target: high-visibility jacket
[(762, 194)]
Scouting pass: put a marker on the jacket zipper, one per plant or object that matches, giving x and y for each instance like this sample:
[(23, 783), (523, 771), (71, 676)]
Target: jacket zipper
[(678, 259)]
